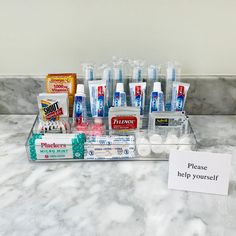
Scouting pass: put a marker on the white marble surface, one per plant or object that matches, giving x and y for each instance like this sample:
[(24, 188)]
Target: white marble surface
[(112, 198)]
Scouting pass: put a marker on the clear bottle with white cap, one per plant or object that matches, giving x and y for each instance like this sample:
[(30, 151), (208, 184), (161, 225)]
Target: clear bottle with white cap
[(80, 111), (119, 98), (156, 98)]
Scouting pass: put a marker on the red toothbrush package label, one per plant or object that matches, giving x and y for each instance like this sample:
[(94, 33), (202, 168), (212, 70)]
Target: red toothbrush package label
[(124, 122)]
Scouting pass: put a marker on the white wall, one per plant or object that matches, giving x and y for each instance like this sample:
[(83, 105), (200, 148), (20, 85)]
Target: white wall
[(41, 36)]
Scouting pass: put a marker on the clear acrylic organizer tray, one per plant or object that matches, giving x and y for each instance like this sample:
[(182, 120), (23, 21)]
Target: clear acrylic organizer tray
[(141, 145)]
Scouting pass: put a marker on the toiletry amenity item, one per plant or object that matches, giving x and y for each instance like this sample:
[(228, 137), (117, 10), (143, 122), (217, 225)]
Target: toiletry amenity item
[(90, 129), (118, 76), (167, 119), (114, 151), (88, 69), (117, 69), (137, 74), (137, 95), (171, 139), (143, 146), (97, 129), (56, 148), (53, 106), (171, 76), (82, 128), (179, 95), (153, 71), (110, 139), (50, 126), (137, 66), (88, 75), (97, 91), (119, 99), (156, 143), (109, 147), (171, 142), (123, 119), (157, 98), (80, 112), (62, 83), (52, 136), (107, 76)]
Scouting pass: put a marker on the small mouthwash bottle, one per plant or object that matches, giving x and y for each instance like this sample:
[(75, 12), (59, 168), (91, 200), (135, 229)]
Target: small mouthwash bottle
[(156, 98)]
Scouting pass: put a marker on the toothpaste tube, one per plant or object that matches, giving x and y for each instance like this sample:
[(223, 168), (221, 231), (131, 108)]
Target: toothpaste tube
[(157, 98), (97, 91), (119, 99), (53, 106), (137, 93), (61, 83), (179, 95), (80, 112), (57, 148)]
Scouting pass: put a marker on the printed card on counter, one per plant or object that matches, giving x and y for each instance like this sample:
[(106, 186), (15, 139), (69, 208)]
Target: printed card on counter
[(199, 172)]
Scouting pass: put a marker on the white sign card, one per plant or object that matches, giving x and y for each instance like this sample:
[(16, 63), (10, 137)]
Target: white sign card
[(199, 172)]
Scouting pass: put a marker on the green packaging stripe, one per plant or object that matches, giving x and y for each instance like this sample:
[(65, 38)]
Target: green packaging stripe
[(34, 137), (33, 155), (78, 151)]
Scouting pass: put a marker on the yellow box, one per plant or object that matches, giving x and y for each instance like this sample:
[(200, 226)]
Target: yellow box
[(62, 83)]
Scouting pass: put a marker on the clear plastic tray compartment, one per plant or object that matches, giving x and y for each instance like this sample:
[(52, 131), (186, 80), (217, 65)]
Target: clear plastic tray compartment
[(65, 142)]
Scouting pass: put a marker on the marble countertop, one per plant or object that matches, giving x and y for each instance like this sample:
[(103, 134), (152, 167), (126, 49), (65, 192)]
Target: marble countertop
[(111, 198)]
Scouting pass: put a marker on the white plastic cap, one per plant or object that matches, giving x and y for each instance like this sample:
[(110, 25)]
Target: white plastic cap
[(120, 87), (80, 88), (157, 86)]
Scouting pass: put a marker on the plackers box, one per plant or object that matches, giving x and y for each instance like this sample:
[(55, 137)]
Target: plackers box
[(123, 120)]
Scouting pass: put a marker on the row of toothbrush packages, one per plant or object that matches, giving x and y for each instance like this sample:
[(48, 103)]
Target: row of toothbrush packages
[(112, 116)]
